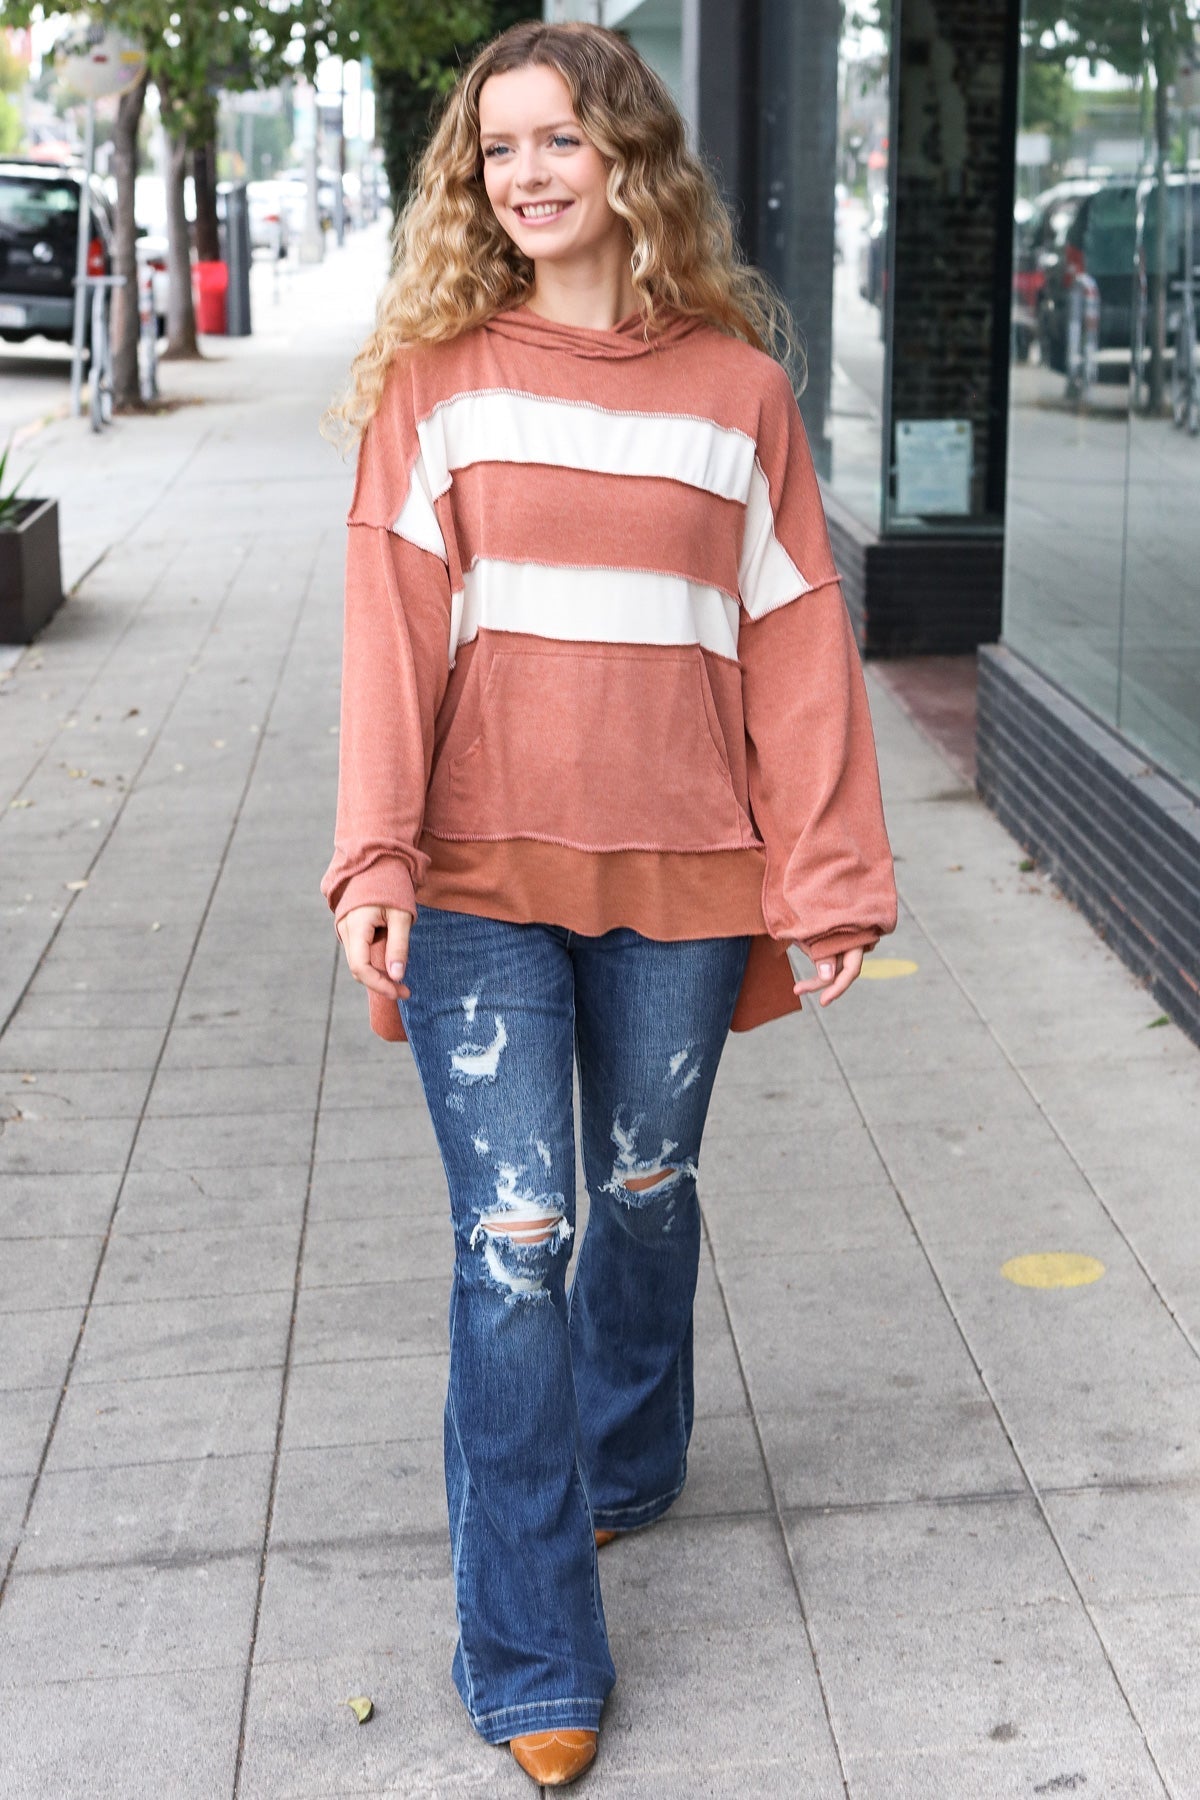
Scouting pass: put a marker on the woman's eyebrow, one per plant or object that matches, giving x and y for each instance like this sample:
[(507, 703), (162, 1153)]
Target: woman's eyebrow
[(555, 125)]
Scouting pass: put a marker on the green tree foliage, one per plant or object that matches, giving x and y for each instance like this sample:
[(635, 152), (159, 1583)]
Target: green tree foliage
[(12, 78), (1124, 36), (408, 93), (1048, 100), (876, 15), (397, 34)]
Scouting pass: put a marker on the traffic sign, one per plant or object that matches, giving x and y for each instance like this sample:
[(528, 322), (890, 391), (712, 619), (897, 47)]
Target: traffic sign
[(98, 61)]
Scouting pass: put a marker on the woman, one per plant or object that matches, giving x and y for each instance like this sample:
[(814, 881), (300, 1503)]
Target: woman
[(603, 712)]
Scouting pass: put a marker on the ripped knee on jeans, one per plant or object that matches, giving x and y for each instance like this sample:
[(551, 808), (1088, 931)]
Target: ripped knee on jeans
[(519, 1236), (640, 1184)]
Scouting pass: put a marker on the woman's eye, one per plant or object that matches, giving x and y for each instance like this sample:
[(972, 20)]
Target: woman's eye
[(492, 149), (560, 138)]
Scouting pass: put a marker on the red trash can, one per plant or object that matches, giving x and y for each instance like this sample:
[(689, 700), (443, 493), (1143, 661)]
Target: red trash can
[(210, 284)]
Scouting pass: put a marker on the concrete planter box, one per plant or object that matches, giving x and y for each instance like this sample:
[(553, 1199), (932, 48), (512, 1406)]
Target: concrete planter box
[(30, 572)]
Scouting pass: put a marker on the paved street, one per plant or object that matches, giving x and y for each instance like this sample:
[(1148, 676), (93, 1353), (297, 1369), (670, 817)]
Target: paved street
[(940, 1536)]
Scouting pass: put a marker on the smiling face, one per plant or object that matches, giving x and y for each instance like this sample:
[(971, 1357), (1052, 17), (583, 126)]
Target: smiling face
[(545, 180)]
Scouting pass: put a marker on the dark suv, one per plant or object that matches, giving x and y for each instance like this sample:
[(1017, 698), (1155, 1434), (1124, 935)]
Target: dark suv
[(39, 227), (1085, 228)]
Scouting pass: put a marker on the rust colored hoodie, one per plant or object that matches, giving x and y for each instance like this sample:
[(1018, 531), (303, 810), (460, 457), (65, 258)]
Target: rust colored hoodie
[(598, 670)]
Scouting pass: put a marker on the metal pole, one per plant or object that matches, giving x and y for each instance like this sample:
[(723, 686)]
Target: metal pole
[(81, 257), (312, 242), (339, 214), (1189, 243)]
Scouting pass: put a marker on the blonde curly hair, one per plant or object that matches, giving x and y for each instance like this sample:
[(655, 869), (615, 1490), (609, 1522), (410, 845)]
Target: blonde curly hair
[(454, 266)]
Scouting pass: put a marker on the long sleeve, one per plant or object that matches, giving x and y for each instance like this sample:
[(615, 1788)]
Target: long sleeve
[(811, 764), (394, 673), (395, 667)]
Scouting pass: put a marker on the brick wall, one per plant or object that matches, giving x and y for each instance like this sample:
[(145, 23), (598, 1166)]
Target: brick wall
[(952, 176)]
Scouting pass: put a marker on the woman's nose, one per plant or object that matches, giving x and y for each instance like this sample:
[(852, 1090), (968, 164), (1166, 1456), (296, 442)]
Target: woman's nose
[(529, 172)]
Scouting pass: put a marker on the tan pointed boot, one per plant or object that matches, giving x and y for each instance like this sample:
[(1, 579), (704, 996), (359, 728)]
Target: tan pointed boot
[(605, 1536), (554, 1757)]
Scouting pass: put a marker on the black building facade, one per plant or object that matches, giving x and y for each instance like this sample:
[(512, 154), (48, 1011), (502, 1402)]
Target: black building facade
[(987, 225)]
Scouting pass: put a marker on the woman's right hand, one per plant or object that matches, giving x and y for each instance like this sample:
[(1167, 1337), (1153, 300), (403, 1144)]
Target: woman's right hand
[(360, 932)]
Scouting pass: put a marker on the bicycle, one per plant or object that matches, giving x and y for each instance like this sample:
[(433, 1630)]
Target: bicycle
[(1185, 369), (100, 362)]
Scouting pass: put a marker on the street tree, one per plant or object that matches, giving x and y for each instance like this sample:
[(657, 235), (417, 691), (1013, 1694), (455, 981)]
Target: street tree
[(191, 52), (417, 53)]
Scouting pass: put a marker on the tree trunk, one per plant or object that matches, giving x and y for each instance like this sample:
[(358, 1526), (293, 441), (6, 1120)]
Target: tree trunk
[(204, 176), (126, 389), (181, 313)]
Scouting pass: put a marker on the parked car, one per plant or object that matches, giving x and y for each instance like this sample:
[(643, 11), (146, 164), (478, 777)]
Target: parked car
[(270, 229), (1085, 227), (1038, 226), (294, 186), (1147, 229), (39, 233)]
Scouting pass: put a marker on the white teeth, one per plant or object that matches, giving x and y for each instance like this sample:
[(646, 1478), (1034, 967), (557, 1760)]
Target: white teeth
[(542, 212)]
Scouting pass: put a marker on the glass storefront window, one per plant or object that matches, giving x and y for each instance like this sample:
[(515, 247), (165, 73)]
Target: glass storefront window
[(1103, 529), (860, 269)]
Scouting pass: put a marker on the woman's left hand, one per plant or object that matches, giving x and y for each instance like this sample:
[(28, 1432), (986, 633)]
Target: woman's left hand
[(834, 975)]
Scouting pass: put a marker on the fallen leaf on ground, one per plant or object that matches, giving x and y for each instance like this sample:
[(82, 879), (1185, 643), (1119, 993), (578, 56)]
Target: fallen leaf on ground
[(74, 886), (361, 1707), (17, 804), (1026, 864), (1162, 1019)]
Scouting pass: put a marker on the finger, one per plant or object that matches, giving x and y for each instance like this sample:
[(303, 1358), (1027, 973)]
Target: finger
[(826, 972), (357, 937), (379, 983), (846, 978), (399, 924)]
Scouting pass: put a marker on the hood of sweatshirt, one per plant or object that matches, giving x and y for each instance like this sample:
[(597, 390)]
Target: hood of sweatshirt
[(627, 338)]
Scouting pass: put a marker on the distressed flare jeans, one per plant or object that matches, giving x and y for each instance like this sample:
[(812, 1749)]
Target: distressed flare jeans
[(566, 1410)]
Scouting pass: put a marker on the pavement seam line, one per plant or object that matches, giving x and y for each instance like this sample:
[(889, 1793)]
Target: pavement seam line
[(1016, 1069), (151, 747), (1034, 1493), (281, 1415), (259, 741), (777, 1511), (89, 683), (964, 990)]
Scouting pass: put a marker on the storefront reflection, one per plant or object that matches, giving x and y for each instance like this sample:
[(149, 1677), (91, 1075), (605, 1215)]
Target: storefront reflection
[(856, 399), (1103, 533)]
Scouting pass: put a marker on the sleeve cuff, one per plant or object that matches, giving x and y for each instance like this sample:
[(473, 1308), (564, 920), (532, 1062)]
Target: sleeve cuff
[(383, 884), (833, 943)]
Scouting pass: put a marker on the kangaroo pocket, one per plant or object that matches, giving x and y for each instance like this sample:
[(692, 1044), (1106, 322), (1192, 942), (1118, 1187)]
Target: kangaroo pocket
[(613, 748)]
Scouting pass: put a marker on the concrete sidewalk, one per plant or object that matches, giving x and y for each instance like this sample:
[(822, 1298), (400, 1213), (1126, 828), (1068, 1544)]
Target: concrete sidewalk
[(941, 1530)]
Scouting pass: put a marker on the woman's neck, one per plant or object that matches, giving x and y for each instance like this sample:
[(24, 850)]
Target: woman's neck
[(597, 298)]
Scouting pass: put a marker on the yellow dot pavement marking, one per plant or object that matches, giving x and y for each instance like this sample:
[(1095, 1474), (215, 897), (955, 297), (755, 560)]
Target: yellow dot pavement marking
[(1052, 1269), (886, 968)]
